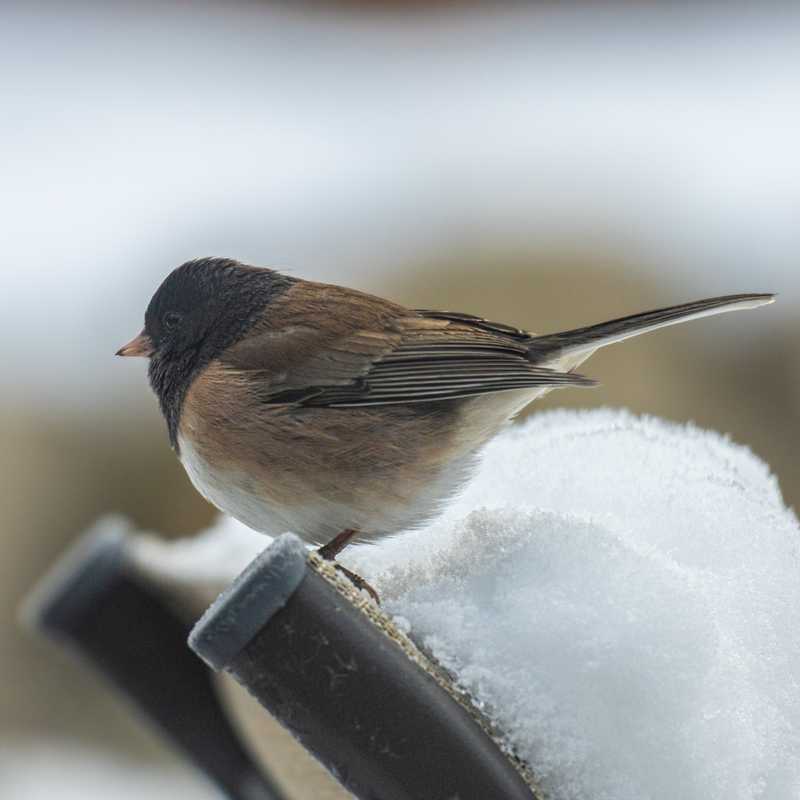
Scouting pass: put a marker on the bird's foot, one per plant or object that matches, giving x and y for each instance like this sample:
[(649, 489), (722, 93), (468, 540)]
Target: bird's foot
[(333, 548), (358, 581)]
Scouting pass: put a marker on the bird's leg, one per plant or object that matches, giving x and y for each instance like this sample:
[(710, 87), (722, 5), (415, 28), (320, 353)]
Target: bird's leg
[(333, 548), (337, 544)]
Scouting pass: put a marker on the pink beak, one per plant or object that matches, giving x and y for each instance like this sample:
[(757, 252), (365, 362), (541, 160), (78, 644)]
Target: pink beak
[(141, 346)]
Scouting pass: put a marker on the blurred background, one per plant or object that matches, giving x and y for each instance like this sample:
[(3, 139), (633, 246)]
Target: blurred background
[(543, 164)]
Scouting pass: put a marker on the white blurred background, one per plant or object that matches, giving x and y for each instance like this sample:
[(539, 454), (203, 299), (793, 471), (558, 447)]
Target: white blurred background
[(548, 165)]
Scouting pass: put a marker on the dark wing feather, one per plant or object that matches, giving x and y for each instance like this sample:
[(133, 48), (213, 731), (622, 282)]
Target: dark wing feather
[(414, 359), (443, 359), (476, 322), (449, 382)]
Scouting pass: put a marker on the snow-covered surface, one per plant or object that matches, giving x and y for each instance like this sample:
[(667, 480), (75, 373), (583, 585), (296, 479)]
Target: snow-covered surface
[(194, 571), (57, 770), (213, 557), (623, 597)]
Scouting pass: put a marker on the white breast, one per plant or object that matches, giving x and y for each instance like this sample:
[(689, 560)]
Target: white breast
[(231, 492)]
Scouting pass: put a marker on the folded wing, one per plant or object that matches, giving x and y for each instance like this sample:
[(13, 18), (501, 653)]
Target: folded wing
[(416, 359)]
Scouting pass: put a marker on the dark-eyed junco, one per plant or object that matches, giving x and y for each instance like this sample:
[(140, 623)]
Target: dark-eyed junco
[(340, 416)]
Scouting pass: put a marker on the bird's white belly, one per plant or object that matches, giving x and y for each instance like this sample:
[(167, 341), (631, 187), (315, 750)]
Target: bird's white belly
[(231, 492), (317, 519)]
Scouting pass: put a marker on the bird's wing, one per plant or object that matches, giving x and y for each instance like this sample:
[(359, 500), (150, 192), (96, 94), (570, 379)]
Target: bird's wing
[(414, 357)]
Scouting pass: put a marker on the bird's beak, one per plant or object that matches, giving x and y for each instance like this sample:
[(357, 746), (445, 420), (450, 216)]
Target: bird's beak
[(141, 346)]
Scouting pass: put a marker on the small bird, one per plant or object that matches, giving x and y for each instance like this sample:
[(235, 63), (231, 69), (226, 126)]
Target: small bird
[(340, 416)]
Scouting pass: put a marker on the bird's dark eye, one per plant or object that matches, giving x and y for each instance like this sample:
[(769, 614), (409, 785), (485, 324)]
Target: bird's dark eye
[(171, 320)]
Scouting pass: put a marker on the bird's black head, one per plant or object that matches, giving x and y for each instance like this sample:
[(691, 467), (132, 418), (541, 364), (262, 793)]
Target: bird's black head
[(201, 308)]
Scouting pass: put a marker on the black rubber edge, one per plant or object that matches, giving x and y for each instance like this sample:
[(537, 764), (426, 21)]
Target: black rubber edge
[(77, 580), (382, 726), (94, 603), (243, 609)]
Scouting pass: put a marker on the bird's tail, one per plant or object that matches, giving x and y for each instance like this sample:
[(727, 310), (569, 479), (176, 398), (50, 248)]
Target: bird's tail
[(570, 348)]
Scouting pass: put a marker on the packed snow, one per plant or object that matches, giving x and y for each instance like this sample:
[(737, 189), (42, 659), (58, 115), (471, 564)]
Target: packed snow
[(622, 595)]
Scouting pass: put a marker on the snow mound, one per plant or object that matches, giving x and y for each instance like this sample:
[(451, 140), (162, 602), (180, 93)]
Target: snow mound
[(623, 596)]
